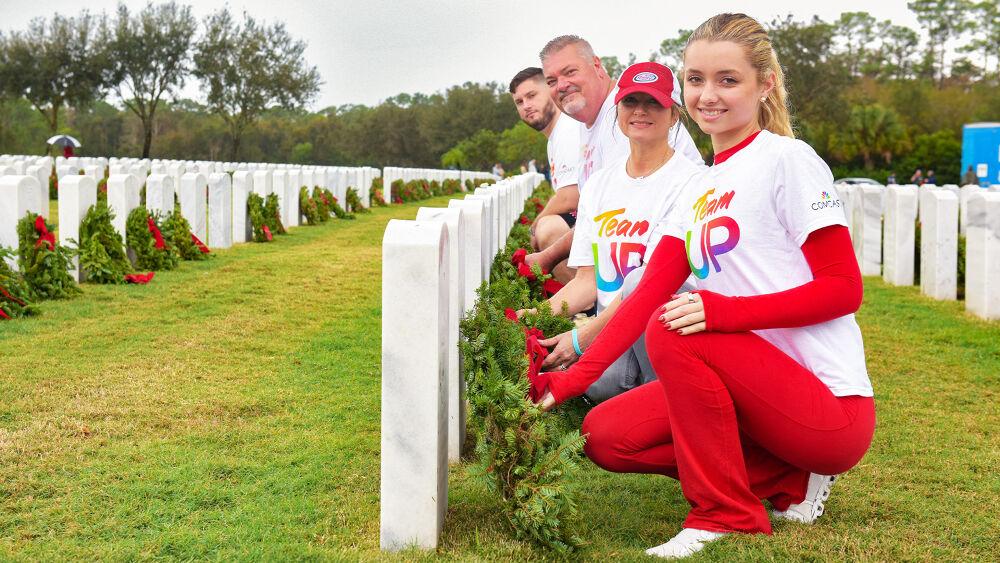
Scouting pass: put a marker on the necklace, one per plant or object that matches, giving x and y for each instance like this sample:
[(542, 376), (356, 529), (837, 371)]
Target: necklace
[(654, 169)]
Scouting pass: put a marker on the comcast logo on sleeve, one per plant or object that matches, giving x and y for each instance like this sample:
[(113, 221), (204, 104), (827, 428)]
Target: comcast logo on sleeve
[(825, 200)]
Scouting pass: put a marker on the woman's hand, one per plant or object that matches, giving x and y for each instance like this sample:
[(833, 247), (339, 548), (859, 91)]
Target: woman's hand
[(547, 402), (522, 312), (685, 313), (562, 355)]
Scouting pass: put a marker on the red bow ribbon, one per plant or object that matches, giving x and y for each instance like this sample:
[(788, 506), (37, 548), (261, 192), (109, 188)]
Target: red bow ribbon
[(160, 245), (44, 236), (141, 279), (201, 246), (536, 357), (550, 287), (518, 257), (511, 314), (267, 233), (4, 293), (524, 271), (4, 315), (525, 220)]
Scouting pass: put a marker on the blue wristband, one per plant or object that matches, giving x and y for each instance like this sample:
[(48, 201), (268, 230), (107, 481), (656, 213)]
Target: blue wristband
[(576, 343)]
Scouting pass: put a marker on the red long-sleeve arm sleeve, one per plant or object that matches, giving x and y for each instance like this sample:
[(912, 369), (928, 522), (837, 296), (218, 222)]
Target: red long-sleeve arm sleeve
[(836, 290), (666, 271)]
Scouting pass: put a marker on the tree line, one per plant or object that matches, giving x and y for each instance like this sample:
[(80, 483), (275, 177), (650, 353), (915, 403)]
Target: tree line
[(872, 97)]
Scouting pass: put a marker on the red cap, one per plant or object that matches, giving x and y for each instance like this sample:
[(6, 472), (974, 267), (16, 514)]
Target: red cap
[(653, 79)]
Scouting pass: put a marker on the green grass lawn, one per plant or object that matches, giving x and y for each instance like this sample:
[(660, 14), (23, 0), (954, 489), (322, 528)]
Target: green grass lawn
[(230, 410)]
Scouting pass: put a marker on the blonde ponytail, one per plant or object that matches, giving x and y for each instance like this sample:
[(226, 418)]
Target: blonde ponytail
[(745, 31)]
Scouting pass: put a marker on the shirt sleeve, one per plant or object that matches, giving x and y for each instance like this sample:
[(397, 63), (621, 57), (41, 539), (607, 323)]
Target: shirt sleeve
[(835, 290), (565, 158), (805, 199), (582, 253)]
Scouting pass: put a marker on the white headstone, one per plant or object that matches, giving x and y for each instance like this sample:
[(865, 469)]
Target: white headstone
[(123, 197), (939, 244), (867, 232), (76, 195), (220, 210), (475, 238), (242, 187), (414, 432), (982, 255), (964, 193), (900, 237), (262, 183), (455, 224), (290, 203), (160, 194), (41, 173), (279, 185), (18, 196), (194, 203)]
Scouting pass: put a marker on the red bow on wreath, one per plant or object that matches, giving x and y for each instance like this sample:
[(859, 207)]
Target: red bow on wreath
[(44, 236), (267, 233), (160, 245), (539, 381), (525, 220), (3, 293), (536, 357), (201, 246), (518, 257), (140, 279)]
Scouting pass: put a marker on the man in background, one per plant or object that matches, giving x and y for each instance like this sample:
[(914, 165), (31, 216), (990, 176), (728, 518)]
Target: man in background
[(536, 108)]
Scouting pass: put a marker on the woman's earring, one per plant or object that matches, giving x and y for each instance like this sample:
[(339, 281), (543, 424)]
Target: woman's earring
[(763, 99)]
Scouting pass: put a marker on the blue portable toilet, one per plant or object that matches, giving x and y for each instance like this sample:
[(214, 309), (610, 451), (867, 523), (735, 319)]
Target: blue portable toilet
[(981, 150)]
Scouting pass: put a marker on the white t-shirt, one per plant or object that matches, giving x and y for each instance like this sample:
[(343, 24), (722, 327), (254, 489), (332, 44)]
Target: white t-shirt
[(563, 151), (744, 225), (617, 216), (605, 143)]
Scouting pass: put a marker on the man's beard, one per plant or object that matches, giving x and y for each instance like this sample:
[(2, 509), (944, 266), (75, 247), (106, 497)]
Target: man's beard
[(545, 118), (576, 106)]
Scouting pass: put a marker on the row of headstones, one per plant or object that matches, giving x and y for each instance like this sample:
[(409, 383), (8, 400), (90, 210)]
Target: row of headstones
[(944, 213), (392, 173), (335, 178), (431, 268)]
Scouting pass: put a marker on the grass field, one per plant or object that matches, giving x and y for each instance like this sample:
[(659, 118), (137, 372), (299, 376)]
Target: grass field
[(230, 410)]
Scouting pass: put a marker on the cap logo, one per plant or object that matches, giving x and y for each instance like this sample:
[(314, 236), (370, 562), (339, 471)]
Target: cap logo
[(645, 77)]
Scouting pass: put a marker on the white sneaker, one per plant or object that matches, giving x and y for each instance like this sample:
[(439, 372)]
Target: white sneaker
[(807, 511), (688, 542)]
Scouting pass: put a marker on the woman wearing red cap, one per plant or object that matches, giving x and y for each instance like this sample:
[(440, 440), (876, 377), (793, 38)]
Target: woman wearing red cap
[(619, 210), (763, 393)]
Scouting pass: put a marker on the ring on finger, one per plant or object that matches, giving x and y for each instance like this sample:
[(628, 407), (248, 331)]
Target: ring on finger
[(690, 297)]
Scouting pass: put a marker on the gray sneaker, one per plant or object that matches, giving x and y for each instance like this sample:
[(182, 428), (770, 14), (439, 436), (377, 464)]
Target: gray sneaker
[(807, 511)]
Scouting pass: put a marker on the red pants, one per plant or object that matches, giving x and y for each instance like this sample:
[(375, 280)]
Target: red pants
[(736, 420)]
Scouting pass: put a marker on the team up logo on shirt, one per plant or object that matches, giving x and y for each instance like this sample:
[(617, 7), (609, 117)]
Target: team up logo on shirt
[(826, 200), (705, 207), (613, 223)]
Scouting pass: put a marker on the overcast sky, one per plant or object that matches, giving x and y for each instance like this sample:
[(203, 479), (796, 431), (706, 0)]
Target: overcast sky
[(369, 50)]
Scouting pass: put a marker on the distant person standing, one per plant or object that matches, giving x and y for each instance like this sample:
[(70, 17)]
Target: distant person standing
[(498, 170), (931, 179), (970, 177), (917, 178), (532, 166), (891, 179)]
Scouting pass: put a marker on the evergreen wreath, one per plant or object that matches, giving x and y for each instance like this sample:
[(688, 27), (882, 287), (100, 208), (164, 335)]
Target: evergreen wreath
[(177, 232), (309, 208), (335, 207), (272, 215), (354, 202), (255, 210), (375, 193), (15, 297), (524, 455), (322, 203), (144, 236), (44, 264), (101, 250)]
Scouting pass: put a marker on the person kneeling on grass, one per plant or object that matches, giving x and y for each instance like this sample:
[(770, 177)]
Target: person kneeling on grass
[(623, 202), (763, 393)]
